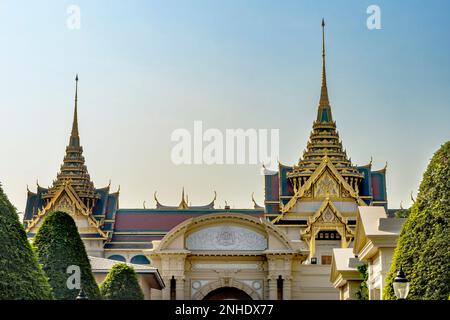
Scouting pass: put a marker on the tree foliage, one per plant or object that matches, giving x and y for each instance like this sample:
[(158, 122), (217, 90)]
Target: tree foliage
[(21, 277), (58, 246), (363, 291), (121, 284), (423, 246), (402, 213)]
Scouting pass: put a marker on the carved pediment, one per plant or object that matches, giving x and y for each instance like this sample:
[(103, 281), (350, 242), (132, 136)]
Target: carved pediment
[(67, 200), (327, 217), (325, 182), (326, 186), (65, 204)]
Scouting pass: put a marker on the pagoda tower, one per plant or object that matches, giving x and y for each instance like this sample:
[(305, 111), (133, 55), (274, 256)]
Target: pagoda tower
[(317, 199), (73, 192), (324, 141), (73, 171)]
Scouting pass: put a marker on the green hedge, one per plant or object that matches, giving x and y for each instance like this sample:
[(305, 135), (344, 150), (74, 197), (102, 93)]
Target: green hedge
[(424, 242), (20, 275), (58, 246), (363, 290), (121, 284)]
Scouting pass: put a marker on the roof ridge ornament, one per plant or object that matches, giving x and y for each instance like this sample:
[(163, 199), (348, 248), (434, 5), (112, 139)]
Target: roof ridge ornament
[(183, 204), (255, 204), (412, 198)]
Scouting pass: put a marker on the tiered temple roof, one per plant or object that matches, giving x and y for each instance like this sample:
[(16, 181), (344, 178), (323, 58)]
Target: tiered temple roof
[(100, 202), (281, 185), (324, 140), (73, 169)]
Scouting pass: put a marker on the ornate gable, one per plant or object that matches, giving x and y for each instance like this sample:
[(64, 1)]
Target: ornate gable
[(325, 182), (67, 200), (327, 217)]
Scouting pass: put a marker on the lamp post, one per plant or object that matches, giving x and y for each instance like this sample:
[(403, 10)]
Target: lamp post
[(82, 295), (401, 285)]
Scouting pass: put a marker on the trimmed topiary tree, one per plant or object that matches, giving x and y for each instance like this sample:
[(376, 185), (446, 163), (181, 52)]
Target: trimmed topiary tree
[(423, 246), (21, 277), (121, 284), (58, 246)]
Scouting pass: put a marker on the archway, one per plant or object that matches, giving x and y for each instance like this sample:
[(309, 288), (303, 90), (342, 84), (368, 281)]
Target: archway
[(227, 293)]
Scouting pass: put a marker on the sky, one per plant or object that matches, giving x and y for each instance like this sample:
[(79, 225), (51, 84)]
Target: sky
[(147, 68)]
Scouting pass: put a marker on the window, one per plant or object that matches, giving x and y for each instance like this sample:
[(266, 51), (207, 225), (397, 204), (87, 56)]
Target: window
[(326, 259), (140, 259), (117, 257), (328, 235)]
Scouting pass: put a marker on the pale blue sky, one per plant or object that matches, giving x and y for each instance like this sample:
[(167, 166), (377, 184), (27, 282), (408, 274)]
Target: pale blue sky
[(149, 67)]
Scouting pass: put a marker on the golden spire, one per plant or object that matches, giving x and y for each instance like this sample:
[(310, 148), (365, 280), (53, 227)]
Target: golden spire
[(324, 114), (73, 170), (324, 140), (74, 136)]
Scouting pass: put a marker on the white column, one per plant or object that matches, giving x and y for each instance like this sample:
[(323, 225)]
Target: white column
[(179, 288), (287, 288), (273, 288)]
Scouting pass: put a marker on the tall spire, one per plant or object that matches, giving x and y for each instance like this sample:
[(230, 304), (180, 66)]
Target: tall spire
[(74, 136), (73, 170), (324, 112), (324, 141)]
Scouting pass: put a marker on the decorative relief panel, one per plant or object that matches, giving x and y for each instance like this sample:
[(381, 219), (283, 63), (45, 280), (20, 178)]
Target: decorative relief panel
[(226, 237), (225, 266), (308, 193), (197, 285), (256, 285), (65, 205), (326, 186), (328, 215)]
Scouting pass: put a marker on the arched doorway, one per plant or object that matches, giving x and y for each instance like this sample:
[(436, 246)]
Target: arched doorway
[(227, 293)]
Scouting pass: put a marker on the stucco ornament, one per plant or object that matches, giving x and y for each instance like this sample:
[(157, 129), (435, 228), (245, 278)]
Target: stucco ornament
[(226, 237), (326, 186), (328, 216)]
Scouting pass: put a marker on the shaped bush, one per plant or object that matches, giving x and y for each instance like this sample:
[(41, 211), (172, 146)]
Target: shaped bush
[(423, 249), (121, 284), (59, 246), (21, 277)]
